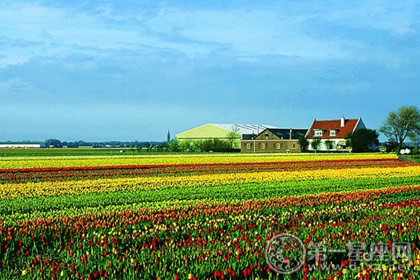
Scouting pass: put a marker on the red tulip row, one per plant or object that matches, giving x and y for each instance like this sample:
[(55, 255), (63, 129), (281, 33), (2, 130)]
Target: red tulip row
[(91, 172), (219, 241)]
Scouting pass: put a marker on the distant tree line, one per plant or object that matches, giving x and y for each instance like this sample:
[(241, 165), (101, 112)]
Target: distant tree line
[(209, 145), (55, 143)]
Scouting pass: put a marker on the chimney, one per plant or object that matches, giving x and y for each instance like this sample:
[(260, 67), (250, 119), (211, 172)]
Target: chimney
[(290, 134), (342, 121)]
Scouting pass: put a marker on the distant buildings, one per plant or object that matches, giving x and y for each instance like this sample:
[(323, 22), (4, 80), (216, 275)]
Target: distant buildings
[(257, 138), (233, 132), (20, 145)]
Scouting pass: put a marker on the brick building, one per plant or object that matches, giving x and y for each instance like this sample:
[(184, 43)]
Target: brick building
[(273, 140)]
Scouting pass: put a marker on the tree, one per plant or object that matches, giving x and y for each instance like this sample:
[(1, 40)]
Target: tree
[(196, 146), (185, 145), (216, 145), (363, 140), (315, 144), (161, 147), (53, 143), (173, 146), (303, 142), (149, 146), (402, 124), (390, 147), (233, 135), (415, 141)]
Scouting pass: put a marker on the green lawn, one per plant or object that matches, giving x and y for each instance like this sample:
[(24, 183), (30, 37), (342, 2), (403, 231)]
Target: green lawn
[(413, 158)]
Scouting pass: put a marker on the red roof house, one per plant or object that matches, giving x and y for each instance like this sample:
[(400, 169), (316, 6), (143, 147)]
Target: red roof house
[(332, 133)]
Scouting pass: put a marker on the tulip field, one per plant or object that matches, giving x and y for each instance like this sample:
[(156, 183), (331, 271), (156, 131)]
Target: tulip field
[(206, 216)]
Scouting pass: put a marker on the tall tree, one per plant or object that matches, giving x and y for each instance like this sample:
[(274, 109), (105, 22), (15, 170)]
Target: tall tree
[(303, 142), (233, 136), (402, 124), (363, 140)]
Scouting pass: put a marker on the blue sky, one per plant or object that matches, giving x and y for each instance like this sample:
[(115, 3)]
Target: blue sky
[(131, 70)]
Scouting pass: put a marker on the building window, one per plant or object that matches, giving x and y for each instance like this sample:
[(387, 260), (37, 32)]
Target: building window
[(318, 133), (248, 146), (266, 136), (262, 146), (278, 146), (294, 146), (333, 133)]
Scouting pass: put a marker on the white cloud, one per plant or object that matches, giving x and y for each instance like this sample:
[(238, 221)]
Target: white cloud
[(14, 85), (13, 59), (56, 32), (396, 17), (245, 32), (242, 34)]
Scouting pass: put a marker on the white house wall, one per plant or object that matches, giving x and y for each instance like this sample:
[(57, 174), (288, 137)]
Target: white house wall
[(323, 147)]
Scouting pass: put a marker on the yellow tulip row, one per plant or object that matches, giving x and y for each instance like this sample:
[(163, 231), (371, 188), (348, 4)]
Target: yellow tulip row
[(75, 161), (148, 183)]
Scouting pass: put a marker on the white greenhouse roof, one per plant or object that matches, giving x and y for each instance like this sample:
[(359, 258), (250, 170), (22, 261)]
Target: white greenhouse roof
[(244, 128)]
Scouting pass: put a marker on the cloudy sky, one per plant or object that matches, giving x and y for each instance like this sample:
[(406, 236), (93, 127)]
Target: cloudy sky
[(127, 70)]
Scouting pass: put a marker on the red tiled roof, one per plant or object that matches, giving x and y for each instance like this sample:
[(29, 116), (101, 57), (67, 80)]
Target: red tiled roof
[(327, 126)]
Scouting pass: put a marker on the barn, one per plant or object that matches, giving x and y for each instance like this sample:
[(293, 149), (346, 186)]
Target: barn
[(223, 132)]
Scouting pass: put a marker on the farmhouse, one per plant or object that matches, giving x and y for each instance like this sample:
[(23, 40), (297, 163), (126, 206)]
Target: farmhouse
[(274, 140), (223, 132), (332, 133)]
